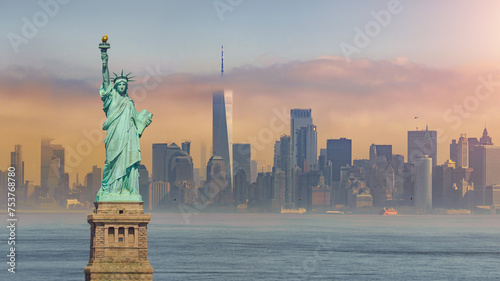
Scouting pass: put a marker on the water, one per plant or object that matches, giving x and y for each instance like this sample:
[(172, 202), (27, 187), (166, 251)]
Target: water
[(275, 247)]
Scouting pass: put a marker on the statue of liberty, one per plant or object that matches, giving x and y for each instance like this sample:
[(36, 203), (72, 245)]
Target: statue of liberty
[(124, 126)]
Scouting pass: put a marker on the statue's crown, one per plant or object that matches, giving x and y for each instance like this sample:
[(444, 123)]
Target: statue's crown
[(125, 77)]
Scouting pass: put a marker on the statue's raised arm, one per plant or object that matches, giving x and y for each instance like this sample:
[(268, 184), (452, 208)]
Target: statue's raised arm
[(105, 70), (104, 46)]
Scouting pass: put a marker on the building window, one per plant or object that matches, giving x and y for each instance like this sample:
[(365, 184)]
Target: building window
[(131, 238), (111, 234)]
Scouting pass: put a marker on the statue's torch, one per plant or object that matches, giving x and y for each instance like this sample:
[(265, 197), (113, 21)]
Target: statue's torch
[(104, 45)]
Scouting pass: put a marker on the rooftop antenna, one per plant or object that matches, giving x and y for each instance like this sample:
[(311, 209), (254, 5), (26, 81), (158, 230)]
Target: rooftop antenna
[(222, 62)]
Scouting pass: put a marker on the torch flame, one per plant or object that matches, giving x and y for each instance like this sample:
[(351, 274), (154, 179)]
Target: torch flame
[(105, 38)]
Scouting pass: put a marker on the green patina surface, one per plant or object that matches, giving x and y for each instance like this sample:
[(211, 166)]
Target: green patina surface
[(124, 126)]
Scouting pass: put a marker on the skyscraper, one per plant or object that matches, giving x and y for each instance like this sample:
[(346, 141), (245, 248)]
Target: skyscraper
[(93, 182), (485, 139), (459, 152), (144, 186), (454, 151), (159, 153), (52, 170), (242, 158), (222, 130), (203, 162), (216, 179), (339, 152), (487, 166), (186, 146), (253, 171), (377, 150), (300, 118), (16, 161), (307, 148), (422, 143), (283, 160), (462, 152), (423, 183), (442, 186)]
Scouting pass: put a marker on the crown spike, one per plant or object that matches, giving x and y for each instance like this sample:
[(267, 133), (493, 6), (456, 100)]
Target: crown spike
[(124, 77)]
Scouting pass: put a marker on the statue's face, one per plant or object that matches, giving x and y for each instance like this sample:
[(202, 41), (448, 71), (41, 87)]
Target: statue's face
[(121, 87)]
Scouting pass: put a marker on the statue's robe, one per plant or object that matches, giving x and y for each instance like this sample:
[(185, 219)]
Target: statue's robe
[(123, 153)]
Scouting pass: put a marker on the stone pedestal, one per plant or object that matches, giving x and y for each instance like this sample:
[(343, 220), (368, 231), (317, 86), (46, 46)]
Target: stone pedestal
[(118, 242)]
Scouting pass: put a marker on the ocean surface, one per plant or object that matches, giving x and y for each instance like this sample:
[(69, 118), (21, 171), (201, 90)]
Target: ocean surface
[(273, 247)]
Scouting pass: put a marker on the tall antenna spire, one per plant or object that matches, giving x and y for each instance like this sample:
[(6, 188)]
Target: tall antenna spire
[(222, 62)]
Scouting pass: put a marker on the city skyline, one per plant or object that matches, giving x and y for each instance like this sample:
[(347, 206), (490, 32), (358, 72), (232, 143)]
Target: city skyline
[(375, 98)]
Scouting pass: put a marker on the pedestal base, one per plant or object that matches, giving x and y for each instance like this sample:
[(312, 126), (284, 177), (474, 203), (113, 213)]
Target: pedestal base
[(118, 242)]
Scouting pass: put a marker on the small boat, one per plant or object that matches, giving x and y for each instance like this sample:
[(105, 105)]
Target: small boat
[(335, 212), (388, 212)]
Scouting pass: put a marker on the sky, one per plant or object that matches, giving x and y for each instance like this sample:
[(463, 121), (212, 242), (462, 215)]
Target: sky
[(367, 69)]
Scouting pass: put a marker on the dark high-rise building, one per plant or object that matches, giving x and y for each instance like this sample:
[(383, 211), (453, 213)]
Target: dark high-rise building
[(52, 170), (284, 159), (242, 158), (172, 151), (265, 184), (222, 130), (384, 150), (422, 143), (276, 158), (305, 184), (203, 162), (279, 188), (306, 146), (486, 172), (408, 175), (96, 181), (16, 161), (301, 118), (486, 159), (144, 186), (459, 152), (485, 139), (181, 169), (378, 150), (339, 152), (477, 158), (454, 151), (216, 180), (253, 171), (322, 159), (159, 154), (240, 186), (186, 147), (181, 178), (442, 186)]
